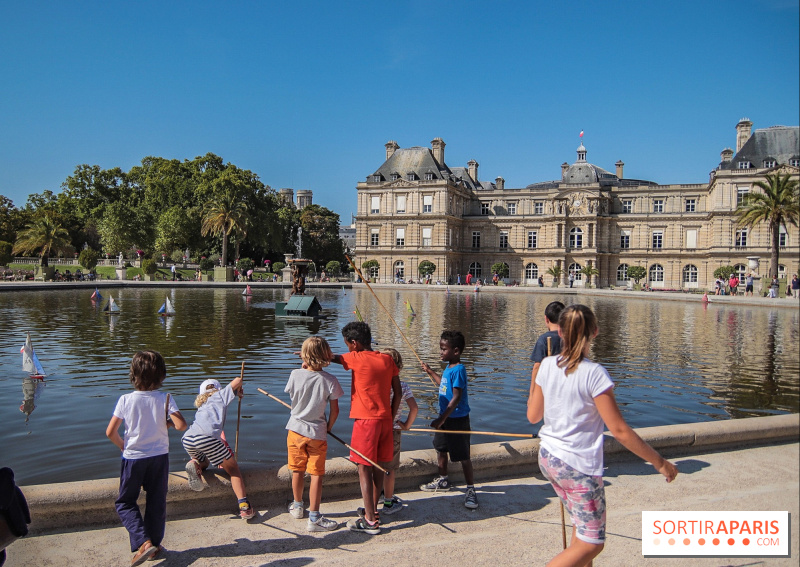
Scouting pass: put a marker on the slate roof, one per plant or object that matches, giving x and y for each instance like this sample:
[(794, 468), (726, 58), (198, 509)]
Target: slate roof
[(419, 161), (780, 143)]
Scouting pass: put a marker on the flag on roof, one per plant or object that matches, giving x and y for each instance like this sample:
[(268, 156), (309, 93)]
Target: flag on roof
[(581, 134)]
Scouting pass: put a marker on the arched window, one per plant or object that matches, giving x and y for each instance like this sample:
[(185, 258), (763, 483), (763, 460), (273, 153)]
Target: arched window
[(373, 272), (400, 269), (690, 273), (656, 273), (531, 271), (741, 271), (576, 238), (574, 270), (475, 269), (781, 271), (622, 273)]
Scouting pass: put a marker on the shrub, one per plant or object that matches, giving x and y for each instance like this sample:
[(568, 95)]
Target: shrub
[(5, 253), (501, 268), (206, 264), (88, 258), (277, 267), (149, 266), (333, 267), (426, 267), (636, 273), (244, 264), (724, 272)]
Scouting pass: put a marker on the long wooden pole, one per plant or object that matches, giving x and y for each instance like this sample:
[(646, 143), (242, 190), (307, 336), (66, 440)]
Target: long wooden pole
[(494, 433), (336, 437), (399, 330), (238, 419), (561, 504)]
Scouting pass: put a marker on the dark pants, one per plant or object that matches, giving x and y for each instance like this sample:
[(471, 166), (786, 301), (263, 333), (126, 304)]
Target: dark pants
[(152, 474)]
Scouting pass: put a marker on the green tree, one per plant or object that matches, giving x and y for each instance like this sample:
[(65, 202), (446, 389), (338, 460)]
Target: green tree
[(501, 268), (177, 227), (588, 270), (320, 235), (149, 266), (44, 234), (223, 215), (636, 273), (724, 272), (333, 268), (5, 253), (277, 267), (123, 227), (88, 258), (426, 267), (777, 204)]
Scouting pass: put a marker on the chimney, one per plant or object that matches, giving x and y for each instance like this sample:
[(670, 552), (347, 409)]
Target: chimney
[(726, 155), (564, 168), (472, 167), (619, 165), (742, 133), (391, 147), (437, 145), (500, 183)]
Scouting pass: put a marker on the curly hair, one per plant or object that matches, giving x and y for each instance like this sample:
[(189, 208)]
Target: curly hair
[(455, 339), (359, 332)]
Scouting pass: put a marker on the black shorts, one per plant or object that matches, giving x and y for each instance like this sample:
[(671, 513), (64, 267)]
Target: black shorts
[(456, 444), (748, 288)]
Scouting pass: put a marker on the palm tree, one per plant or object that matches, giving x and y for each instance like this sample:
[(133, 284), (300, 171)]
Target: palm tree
[(778, 203), (44, 234), (223, 215), (555, 271), (588, 270)]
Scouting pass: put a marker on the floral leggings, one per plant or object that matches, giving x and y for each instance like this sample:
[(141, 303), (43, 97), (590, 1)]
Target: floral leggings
[(584, 497)]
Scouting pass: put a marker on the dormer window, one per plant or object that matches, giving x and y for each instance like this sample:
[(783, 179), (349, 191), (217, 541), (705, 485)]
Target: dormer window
[(395, 176), (429, 176), (745, 165), (411, 176), (794, 162), (376, 178), (769, 162)]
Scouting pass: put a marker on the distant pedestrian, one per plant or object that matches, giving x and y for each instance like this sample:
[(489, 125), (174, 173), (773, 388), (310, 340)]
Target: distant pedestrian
[(733, 283), (571, 278), (748, 284), (172, 269), (773, 287), (459, 279), (795, 287), (541, 281), (575, 396)]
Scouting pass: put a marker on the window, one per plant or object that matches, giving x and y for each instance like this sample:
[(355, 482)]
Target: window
[(395, 176), (401, 237), (741, 192), (769, 163), (658, 239), (574, 269), (532, 238), (376, 178), (690, 274), (512, 208), (622, 273), (691, 205), (741, 272), (427, 203), (656, 273), (531, 271), (426, 236), (399, 269), (401, 203), (625, 239), (576, 238), (376, 204), (658, 205), (627, 206), (475, 269), (374, 271), (429, 176), (503, 239), (373, 236), (538, 208), (691, 238), (781, 271), (484, 208), (794, 162), (476, 239), (744, 165), (741, 238), (411, 176), (783, 238)]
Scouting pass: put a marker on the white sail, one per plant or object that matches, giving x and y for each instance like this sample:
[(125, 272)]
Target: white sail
[(30, 362), (247, 290), (112, 306), (170, 309)]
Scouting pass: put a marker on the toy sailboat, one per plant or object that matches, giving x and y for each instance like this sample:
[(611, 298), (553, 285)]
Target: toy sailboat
[(410, 309), (111, 307), (96, 295), (247, 290), (166, 309), (30, 362)]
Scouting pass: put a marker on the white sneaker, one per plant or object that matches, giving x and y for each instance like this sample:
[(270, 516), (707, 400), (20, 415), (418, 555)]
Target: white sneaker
[(296, 510), (195, 482), (322, 524)]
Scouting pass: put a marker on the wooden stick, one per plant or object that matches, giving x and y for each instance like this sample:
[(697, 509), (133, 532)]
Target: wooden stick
[(337, 438), (399, 330), (494, 433), (561, 504), (238, 419)]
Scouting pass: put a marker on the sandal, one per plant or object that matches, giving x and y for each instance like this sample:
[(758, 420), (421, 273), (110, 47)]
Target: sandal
[(145, 552), (193, 472), (158, 553)]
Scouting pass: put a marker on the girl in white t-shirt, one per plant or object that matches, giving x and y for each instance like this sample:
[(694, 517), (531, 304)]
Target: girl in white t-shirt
[(575, 396)]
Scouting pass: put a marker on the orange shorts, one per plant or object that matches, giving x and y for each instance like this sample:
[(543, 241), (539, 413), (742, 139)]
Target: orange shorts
[(373, 438), (306, 455)]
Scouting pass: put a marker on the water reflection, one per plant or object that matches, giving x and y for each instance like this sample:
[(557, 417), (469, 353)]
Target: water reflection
[(672, 362), (31, 388)]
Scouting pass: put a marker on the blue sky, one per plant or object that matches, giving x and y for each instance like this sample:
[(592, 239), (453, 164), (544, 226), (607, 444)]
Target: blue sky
[(306, 94)]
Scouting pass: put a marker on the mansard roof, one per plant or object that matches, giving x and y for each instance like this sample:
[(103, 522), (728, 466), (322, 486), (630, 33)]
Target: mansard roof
[(780, 143), (420, 161)]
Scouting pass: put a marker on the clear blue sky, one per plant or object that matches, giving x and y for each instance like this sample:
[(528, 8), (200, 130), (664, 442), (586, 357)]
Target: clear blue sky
[(305, 94)]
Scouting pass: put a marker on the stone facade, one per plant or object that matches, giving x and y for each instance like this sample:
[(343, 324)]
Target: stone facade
[(415, 207)]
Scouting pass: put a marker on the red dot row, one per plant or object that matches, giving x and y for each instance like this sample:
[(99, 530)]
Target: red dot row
[(715, 541)]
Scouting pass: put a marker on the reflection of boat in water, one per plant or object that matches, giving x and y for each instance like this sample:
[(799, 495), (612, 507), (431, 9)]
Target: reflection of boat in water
[(30, 362), (111, 307), (31, 389), (166, 309), (247, 290)]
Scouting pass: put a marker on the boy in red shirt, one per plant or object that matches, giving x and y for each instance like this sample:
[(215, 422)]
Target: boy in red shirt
[(374, 376)]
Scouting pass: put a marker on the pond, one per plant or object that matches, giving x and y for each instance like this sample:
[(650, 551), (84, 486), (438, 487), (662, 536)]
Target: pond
[(672, 362)]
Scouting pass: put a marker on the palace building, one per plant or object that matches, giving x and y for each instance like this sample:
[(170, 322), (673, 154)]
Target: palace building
[(415, 207)]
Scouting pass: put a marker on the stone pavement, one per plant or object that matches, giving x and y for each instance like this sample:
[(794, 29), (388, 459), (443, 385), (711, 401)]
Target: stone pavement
[(518, 523)]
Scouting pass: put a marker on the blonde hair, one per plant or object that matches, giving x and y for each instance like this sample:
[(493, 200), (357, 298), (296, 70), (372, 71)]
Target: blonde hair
[(316, 353), (398, 360), (203, 398), (578, 327)]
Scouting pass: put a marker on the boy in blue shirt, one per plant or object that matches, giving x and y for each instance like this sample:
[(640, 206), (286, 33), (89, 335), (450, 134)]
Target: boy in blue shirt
[(453, 416)]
